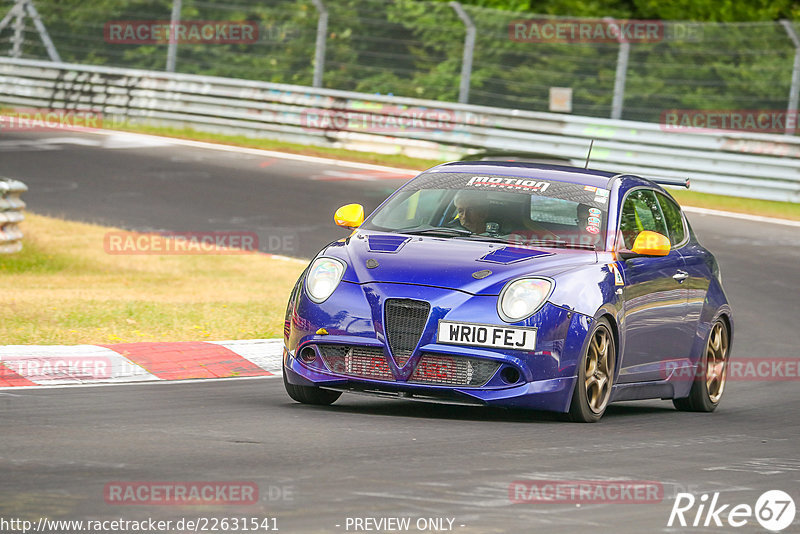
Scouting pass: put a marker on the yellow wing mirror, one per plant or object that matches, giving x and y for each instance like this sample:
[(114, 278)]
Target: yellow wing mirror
[(349, 216), (651, 244)]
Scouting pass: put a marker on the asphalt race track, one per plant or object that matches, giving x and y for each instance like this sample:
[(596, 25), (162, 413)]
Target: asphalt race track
[(317, 467), (140, 184)]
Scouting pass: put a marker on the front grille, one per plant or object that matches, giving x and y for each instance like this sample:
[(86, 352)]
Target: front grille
[(405, 321), (453, 370), (363, 362)]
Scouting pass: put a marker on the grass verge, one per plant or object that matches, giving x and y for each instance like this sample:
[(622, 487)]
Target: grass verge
[(63, 288)]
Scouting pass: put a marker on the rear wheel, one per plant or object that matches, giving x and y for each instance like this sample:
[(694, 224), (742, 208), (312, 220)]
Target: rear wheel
[(709, 381), (595, 376), (310, 394)]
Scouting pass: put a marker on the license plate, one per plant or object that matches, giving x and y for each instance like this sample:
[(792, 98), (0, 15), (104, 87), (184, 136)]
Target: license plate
[(486, 335)]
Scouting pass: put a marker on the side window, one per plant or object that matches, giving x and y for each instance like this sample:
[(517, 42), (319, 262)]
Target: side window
[(672, 216), (641, 212), (415, 209)]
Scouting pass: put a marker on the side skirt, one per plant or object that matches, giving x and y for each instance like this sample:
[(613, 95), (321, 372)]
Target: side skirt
[(659, 389)]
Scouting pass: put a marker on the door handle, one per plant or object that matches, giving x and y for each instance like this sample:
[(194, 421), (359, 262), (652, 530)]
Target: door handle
[(680, 276)]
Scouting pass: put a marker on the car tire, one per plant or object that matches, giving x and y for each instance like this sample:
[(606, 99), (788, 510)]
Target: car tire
[(595, 375), (709, 380), (310, 394)]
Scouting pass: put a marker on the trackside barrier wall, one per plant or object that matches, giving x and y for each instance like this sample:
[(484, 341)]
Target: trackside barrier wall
[(11, 207), (753, 165)]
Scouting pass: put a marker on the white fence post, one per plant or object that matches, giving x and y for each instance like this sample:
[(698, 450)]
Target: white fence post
[(622, 71), (469, 48), (19, 29), (792, 109), (172, 49), (322, 34)]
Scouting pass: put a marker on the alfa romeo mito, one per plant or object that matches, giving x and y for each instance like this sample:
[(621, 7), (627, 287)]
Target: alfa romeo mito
[(517, 285)]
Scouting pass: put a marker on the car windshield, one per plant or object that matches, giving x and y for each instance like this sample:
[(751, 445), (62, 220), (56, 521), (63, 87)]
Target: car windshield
[(497, 208)]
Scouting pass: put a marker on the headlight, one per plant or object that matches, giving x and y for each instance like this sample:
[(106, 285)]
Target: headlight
[(522, 298), (323, 277)]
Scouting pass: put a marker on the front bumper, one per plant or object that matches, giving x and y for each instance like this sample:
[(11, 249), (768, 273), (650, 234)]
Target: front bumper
[(549, 394), (355, 318)]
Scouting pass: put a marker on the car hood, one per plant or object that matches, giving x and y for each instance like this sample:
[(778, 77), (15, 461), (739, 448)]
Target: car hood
[(475, 267)]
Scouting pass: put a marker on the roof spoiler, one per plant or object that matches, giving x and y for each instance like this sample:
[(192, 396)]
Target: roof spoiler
[(677, 182)]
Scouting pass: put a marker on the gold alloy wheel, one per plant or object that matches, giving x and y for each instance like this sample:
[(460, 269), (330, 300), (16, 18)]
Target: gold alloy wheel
[(716, 361), (598, 370)]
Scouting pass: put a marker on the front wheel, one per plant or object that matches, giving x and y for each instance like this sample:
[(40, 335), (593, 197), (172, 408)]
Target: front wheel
[(710, 378), (310, 394), (595, 376)]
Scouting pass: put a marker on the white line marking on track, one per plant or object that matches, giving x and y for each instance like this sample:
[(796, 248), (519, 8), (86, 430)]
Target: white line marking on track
[(360, 176), (742, 216), (23, 389), (262, 152)]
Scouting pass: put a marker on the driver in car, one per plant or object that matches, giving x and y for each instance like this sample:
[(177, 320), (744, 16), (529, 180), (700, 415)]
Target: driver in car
[(472, 211)]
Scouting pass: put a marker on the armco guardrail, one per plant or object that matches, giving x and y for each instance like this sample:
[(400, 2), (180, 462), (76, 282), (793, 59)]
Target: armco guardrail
[(11, 207), (730, 163)]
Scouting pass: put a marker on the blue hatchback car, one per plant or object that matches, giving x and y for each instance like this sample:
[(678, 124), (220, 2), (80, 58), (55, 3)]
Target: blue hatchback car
[(517, 285)]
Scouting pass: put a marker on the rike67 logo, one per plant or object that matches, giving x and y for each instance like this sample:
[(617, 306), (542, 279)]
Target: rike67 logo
[(774, 510)]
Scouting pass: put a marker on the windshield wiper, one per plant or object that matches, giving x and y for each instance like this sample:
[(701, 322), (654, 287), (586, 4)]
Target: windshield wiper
[(466, 234), (458, 232), (442, 232), (559, 243), (489, 238)]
